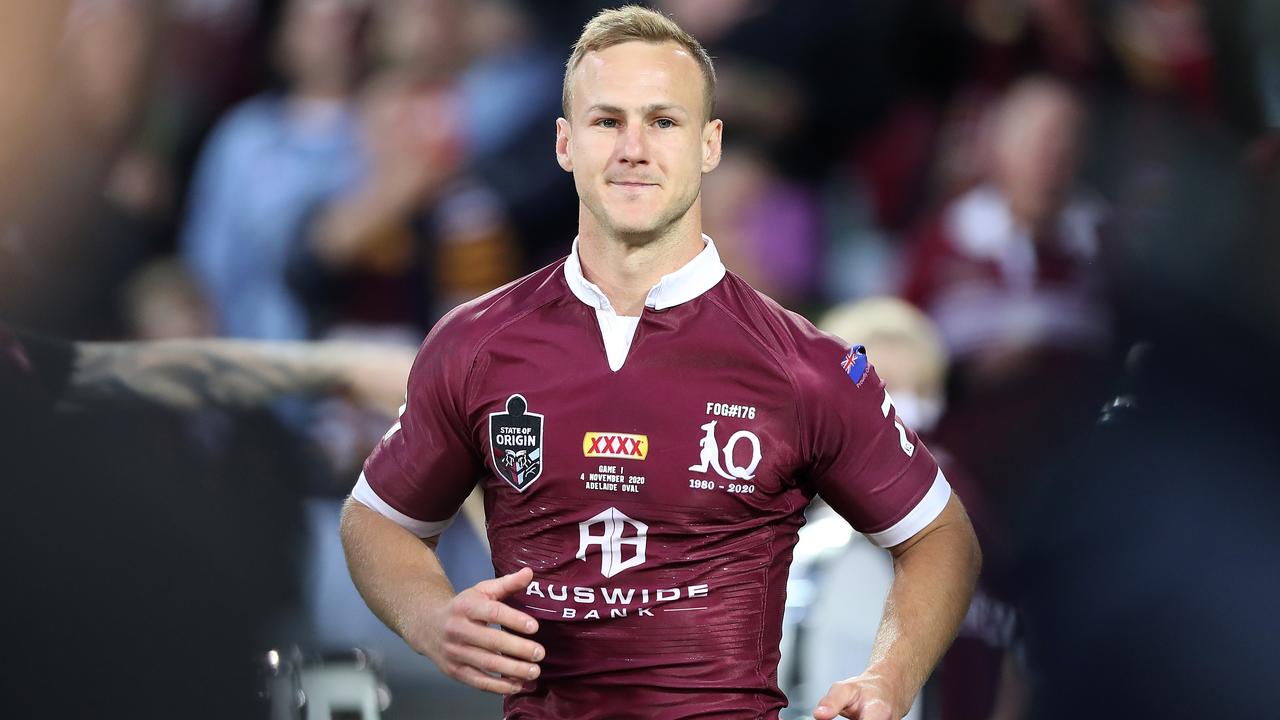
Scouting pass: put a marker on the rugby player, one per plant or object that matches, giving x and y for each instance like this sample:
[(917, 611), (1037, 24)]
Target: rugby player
[(647, 431)]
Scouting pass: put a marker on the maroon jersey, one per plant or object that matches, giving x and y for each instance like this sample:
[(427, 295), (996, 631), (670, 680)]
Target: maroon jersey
[(655, 489)]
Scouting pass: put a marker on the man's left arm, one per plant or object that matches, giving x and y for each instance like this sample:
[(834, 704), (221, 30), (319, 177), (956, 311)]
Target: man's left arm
[(934, 575)]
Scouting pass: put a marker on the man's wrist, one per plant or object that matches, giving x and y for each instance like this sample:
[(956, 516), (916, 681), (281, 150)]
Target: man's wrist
[(891, 678), (423, 627)]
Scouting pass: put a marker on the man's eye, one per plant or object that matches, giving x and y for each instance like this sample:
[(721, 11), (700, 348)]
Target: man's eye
[(607, 123), (666, 123)]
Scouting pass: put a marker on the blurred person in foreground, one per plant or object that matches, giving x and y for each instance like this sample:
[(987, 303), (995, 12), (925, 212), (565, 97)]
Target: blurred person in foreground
[(981, 676), (1011, 272), (153, 526), (151, 516), (647, 430), (1148, 547), (268, 167), (73, 74)]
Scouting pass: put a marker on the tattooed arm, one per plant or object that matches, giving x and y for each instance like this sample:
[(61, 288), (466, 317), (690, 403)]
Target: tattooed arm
[(185, 374)]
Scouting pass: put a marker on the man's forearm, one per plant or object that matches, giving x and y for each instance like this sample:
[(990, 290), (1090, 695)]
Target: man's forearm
[(934, 578), (185, 374), (397, 574), (472, 636), (243, 374)]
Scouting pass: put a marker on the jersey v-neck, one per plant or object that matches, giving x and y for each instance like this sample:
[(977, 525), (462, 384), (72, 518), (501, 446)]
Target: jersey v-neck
[(618, 331)]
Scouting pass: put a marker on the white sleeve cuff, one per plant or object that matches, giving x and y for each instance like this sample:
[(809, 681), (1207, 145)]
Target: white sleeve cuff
[(364, 494), (925, 511)]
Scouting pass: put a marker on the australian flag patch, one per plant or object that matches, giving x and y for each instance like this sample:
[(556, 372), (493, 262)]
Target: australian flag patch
[(855, 364)]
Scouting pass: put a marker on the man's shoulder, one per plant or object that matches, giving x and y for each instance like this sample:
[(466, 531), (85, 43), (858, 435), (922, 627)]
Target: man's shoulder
[(475, 320), (791, 337)]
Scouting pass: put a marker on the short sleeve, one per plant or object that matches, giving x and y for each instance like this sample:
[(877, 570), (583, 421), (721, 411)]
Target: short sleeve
[(864, 462), (425, 466)]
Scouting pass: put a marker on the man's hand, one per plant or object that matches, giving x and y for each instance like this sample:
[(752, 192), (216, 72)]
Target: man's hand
[(459, 640), (865, 697), (372, 374)]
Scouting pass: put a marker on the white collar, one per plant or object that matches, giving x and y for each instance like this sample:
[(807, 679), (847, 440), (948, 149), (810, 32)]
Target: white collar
[(693, 279)]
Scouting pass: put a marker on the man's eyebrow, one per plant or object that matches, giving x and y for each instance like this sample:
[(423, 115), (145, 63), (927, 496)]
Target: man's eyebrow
[(609, 109), (646, 110), (664, 107)]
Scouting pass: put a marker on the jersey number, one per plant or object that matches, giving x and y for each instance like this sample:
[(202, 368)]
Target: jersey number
[(885, 407)]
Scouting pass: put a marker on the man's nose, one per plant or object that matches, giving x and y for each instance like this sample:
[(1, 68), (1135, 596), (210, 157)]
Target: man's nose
[(633, 147)]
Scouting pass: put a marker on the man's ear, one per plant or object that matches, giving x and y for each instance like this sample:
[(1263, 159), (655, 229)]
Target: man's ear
[(563, 156), (712, 134)]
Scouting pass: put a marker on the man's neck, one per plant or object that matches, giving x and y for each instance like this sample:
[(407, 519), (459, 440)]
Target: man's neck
[(626, 271)]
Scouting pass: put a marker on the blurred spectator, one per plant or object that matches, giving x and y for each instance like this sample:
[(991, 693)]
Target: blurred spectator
[(1028, 235), (163, 302), (511, 94), (949, 63), (512, 78), (1011, 271), (910, 355), (419, 234), (1015, 36), (777, 65), (191, 92), (267, 168), (834, 100), (766, 227), (1165, 48)]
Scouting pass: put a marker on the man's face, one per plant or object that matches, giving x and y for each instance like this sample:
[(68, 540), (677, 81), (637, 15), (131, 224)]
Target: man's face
[(1036, 153), (637, 140), (318, 41)]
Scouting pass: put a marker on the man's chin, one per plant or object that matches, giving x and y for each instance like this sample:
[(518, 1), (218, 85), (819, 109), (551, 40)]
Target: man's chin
[(635, 226), (635, 230), (634, 239)]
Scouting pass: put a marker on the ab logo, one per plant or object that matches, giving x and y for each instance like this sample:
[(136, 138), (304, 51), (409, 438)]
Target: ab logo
[(610, 540), (710, 458)]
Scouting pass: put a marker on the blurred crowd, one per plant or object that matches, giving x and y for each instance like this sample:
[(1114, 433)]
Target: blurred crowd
[(1056, 191), (278, 169)]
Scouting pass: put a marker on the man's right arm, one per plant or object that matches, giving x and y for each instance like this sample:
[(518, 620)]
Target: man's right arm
[(402, 581), (417, 478), (243, 374)]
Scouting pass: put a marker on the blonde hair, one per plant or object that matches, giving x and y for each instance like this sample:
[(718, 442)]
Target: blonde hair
[(634, 23), (886, 319)]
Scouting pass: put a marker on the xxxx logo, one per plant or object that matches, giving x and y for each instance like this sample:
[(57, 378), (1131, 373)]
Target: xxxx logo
[(615, 445)]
